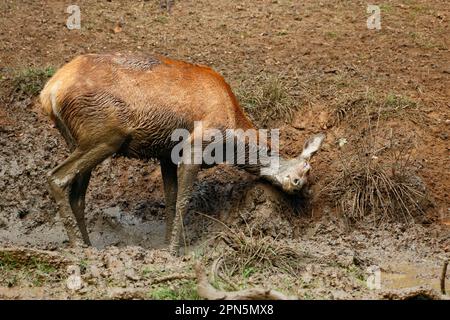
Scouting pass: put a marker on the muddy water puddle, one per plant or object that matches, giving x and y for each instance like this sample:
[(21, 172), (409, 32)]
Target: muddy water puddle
[(112, 227), (407, 275)]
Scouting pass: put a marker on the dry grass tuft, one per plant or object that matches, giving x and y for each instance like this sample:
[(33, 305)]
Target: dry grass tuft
[(356, 107), (267, 99), (246, 254), (377, 183)]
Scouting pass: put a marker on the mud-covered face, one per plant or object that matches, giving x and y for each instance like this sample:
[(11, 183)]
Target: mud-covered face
[(295, 177), (296, 171)]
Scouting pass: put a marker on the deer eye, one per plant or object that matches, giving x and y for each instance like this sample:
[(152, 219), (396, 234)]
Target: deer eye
[(296, 181)]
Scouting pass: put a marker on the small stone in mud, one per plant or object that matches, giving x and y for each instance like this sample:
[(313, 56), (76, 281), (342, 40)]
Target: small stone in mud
[(131, 274), (74, 281)]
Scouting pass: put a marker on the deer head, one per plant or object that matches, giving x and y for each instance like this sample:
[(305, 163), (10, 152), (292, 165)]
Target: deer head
[(293, 174)]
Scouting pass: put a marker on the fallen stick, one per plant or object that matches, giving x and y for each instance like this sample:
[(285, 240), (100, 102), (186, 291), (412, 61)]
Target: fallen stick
[(207, 291), (443, 275), (214, 274)]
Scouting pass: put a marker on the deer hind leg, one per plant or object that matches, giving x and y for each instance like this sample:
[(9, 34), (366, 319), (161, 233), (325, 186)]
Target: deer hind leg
[(169, 175), (77, 202), (68, 183)]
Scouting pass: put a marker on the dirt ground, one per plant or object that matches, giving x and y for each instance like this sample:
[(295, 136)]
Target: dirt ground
[(329, 63)]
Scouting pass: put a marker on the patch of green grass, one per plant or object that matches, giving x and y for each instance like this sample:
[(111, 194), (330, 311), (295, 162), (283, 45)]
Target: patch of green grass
[(312, 295), (151, 271), (413, 34), (331, 34), (146, 271), (12, 281), (267, 99), (7, 267), (42, 267), (416, 9), (385, 7), (356, 273), (163, 294), (161, 19), (83, 264), (33, 272), (29, 82), (421, 8), (396, 102), (248, 272), (342, 81), (423, 41), (220, 284), (186, 290)]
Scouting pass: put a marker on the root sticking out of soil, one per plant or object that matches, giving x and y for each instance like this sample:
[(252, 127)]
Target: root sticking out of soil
[(207, 291)]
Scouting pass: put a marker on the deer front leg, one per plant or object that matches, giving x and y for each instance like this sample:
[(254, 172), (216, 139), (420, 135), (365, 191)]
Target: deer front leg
[(169, 175), (186, 178)]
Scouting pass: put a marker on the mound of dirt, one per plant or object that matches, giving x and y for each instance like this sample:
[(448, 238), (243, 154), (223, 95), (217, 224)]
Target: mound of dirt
[(264, 210)]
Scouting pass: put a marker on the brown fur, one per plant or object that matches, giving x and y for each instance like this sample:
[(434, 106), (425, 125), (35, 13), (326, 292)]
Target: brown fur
[(143, 99)]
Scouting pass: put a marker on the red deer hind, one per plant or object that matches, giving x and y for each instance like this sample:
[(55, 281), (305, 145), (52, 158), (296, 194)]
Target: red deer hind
[(130, 105)]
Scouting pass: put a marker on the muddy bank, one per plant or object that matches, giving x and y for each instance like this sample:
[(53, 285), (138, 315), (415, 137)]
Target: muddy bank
[(127, 229)]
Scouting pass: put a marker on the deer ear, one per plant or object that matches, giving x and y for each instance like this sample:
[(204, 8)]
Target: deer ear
[(311, 146)]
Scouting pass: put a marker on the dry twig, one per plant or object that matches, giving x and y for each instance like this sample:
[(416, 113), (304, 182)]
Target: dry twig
[(443, 275)]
